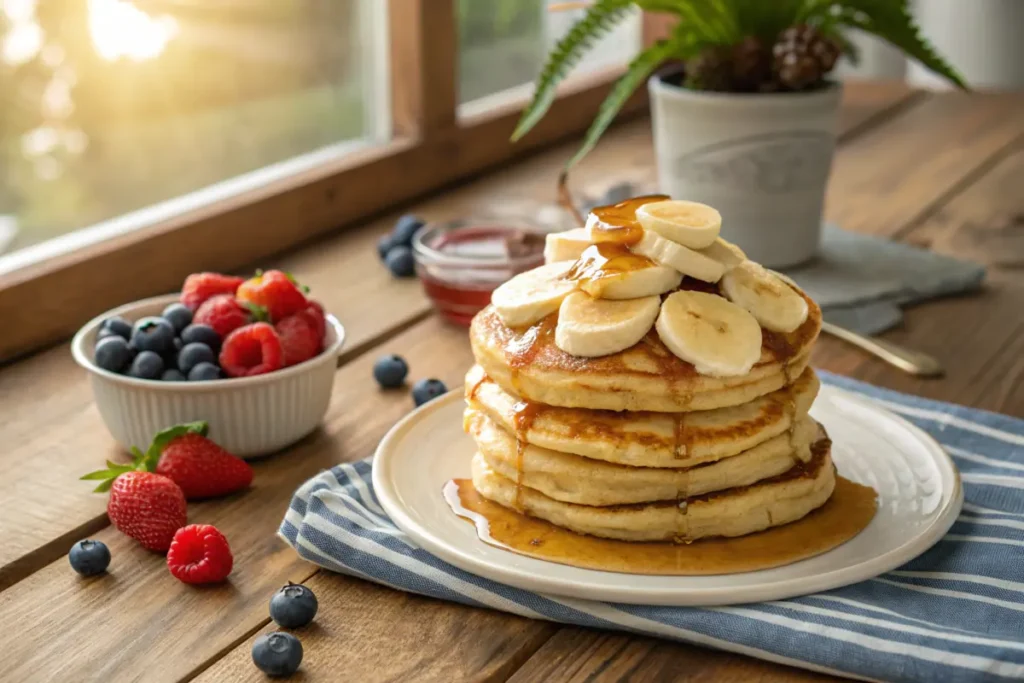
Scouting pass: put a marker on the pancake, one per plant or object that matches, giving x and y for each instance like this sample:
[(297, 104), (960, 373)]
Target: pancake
[(733, 512), (646, 439), (575, 479), (647, 376)]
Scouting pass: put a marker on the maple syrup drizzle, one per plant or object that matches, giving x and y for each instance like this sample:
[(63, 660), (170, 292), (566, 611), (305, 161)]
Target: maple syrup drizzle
[(523, 415), (847, 512), (523, 350), (617, 222), (471, 394), (601, 264)]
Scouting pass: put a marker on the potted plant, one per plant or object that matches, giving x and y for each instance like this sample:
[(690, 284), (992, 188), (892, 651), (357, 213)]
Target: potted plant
[(744, 113)]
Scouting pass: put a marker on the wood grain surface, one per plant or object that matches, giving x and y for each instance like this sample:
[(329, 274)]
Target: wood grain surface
[(941, 171)]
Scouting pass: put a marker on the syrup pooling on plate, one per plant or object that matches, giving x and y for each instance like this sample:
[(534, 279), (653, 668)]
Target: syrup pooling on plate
[(603, 263), (617, 222)]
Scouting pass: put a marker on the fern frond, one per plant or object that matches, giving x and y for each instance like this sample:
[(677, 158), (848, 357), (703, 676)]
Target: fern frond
[(639, 69), (600, 18)]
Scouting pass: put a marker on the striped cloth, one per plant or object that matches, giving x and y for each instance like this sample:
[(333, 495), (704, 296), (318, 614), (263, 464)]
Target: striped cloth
[(954, 614)]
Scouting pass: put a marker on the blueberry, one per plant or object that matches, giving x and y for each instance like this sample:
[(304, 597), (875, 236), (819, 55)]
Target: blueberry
[(277, 654), (104, 333), (400, 262), (193, 354), (202, 334), (293, 606), (178, 315), (203, 372), (178, 344), (117, 325), (89, 558), (113, 354), (153, 334), (405, 228), (172, 375), (390, 371), (147, 365), (427, 390), (384, 245)]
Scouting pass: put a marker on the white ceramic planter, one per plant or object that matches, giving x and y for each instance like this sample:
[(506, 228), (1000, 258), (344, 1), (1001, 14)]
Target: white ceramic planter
[(762, 160)]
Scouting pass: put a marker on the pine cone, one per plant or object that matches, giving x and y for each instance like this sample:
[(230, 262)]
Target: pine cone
[(751, 64), (802, 56), (710, 70)]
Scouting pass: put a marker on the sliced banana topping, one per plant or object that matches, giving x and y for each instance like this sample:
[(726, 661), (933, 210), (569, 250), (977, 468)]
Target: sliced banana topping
[(770, 300), (718, 337), (565, 246), (690, 224), (635, 284), (726, 253), (533, 295), (598, 327), (612, 271), (685, 260)]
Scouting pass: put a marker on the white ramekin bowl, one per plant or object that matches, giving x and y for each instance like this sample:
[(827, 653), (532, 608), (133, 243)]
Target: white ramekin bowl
[(249, 416)]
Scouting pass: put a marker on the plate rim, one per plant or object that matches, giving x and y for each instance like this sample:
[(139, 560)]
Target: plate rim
[(588, 585)]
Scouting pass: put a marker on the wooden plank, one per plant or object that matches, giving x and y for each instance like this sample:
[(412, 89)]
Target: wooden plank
[(424, 65), (146, 616), (381, 642), (577, 655)]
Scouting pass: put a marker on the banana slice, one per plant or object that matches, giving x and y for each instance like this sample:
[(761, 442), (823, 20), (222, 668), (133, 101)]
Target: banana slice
[(726, 253), (690, 224), (565, 246), (685, 260), (770, 300), (717, 336), (610, 271), (598, 327), (533, 295)]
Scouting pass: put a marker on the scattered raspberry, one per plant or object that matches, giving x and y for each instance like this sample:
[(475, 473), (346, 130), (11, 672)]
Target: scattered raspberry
[(300, 339), (274, 290), (148, 507), (251, 350), (202, 468), (199, 287), (223, 313), (200, 554)]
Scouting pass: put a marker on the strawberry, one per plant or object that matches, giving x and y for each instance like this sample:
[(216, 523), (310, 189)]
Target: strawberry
[(224, 313), (148, 507), (199, 287), (200, 554), (251, 350), (300, 337), (202, 468), (274, 290)]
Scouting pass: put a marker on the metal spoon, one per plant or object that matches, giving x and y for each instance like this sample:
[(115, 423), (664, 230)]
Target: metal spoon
[(907, 360)]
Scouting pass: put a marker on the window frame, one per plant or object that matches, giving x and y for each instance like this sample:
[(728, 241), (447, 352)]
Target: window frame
[(431, 147)]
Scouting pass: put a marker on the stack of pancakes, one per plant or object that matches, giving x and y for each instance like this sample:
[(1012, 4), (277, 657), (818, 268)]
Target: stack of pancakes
[(639, 446)]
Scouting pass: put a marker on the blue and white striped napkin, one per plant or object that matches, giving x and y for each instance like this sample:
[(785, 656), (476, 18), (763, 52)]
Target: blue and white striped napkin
[(954, 614)]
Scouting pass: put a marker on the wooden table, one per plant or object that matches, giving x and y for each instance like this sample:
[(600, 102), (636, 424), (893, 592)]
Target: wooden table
[(942, 171)]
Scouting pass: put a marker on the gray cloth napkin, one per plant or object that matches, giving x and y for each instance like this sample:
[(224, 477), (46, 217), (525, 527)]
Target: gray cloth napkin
[(861, 282)]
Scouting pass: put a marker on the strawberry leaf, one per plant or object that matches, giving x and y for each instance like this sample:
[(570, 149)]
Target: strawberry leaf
[(305, 289), (147, 462), (258, 313)]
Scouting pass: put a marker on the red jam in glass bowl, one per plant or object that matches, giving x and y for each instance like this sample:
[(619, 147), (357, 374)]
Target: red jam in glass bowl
[(461, 262)]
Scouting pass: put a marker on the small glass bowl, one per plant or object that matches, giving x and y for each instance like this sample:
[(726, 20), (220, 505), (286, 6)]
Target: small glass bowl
[(461, 262)]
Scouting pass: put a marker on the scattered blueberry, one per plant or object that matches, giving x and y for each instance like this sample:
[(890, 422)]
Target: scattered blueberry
[(390, 371), (293, 606), (178, 315), (117, 325), (405, 228), (113, 354), (147, 365), (193, 354), (202, 334), (427, 390), (89, 558), (384, 245), (277, 654), (400, 262), (173, 375), (153, 334), (203, 372)]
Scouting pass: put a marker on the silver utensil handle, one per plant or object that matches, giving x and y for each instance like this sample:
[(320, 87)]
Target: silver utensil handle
[(908, 360)]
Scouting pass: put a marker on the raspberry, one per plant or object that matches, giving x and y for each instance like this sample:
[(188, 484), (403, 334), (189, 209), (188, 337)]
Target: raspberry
[(199, 287), (223, 313), (299, 335), (199, 554), (251, 350)]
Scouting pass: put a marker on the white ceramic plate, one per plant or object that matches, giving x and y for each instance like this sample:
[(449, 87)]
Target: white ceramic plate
[(918, 488)]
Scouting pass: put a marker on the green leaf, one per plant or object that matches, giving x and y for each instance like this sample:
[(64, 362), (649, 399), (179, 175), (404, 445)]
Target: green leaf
[(162, 439), (258, 313), (599, 19)]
